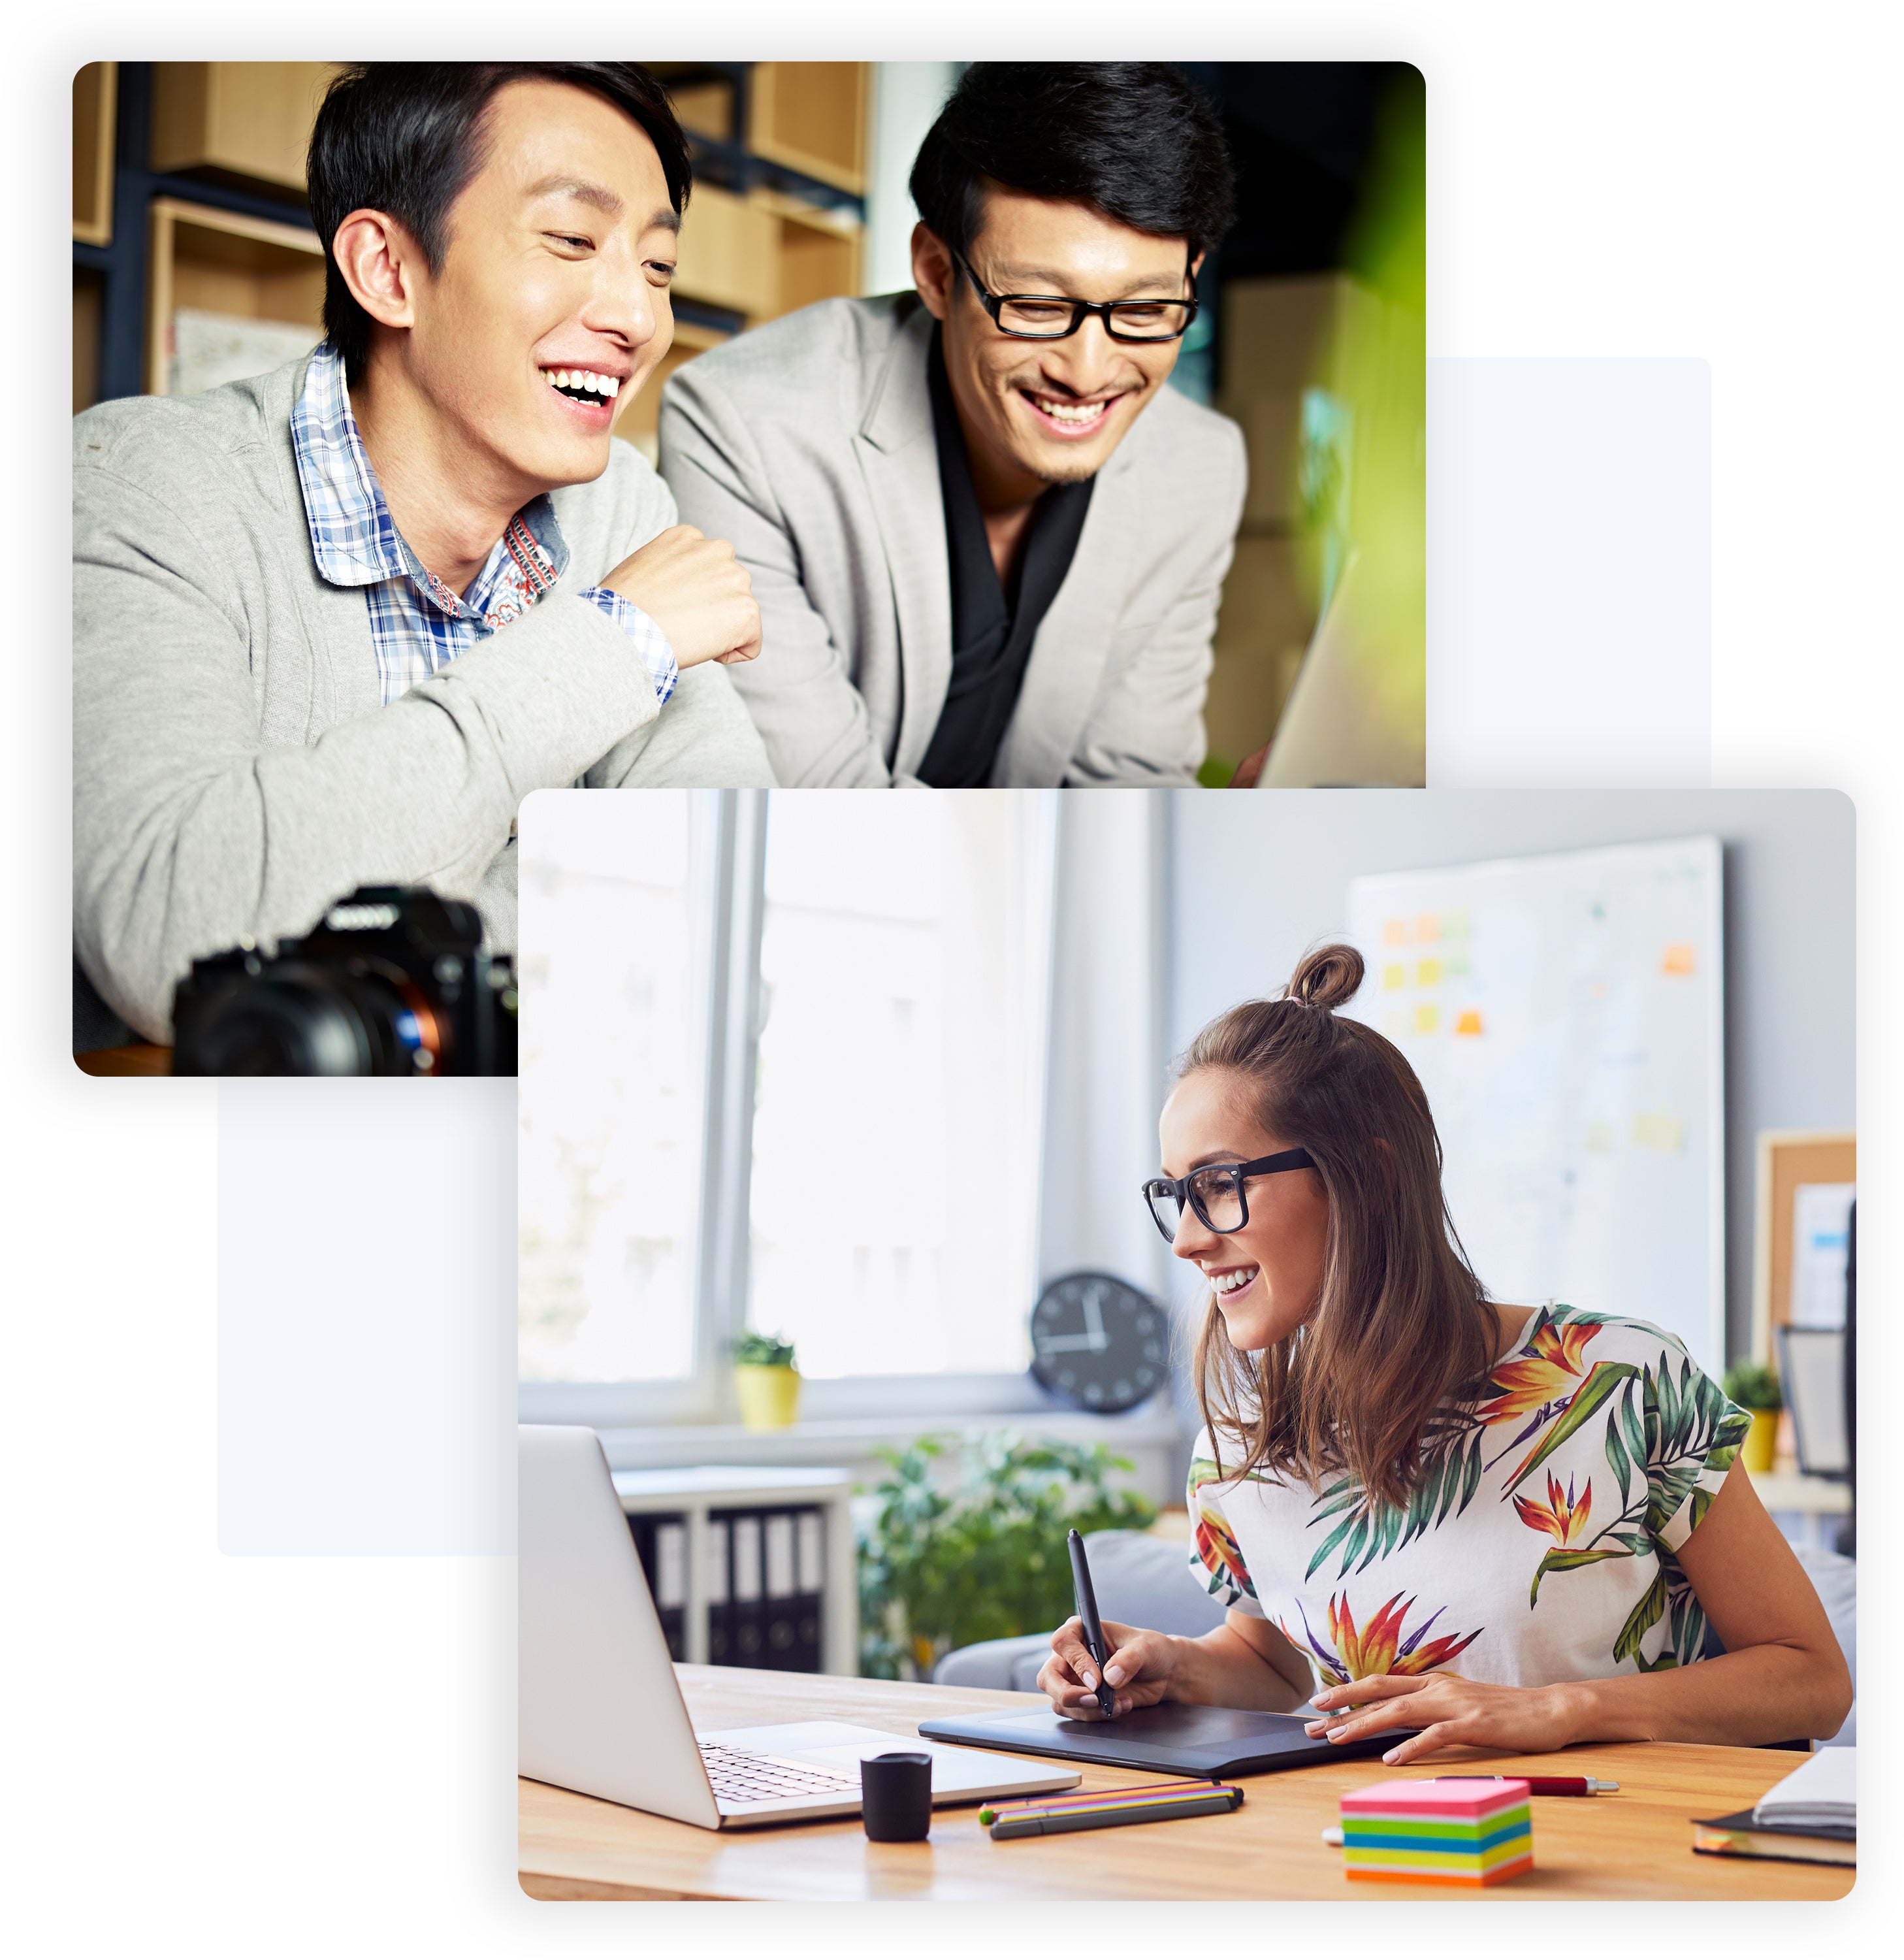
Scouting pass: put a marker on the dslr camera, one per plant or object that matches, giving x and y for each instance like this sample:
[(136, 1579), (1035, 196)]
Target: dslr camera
[(390, 981)]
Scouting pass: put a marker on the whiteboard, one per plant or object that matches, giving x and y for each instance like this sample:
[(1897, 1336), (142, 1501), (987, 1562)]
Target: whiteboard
[(1565, 1014)]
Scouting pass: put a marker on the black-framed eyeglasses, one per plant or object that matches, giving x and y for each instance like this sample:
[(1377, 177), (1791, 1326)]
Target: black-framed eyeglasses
[(1216, 1193), (1051, 316)]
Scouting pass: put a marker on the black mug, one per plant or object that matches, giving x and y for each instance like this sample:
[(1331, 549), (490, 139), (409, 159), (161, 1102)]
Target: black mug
[(895, 1796)]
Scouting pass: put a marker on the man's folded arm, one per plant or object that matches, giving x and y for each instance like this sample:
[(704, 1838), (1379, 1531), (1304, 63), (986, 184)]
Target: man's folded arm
[(1148, 727), (707, 740), (799, 692), (190, 833)]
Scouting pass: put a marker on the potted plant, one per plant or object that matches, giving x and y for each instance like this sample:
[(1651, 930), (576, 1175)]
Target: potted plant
[(978, 1555), (767, 1381), (1754, 1385)]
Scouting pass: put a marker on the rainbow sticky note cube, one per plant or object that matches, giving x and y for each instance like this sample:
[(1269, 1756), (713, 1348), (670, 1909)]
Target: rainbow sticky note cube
[(1438, 1834)]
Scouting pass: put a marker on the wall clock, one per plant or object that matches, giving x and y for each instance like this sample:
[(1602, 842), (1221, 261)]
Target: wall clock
[(1098, 1344)]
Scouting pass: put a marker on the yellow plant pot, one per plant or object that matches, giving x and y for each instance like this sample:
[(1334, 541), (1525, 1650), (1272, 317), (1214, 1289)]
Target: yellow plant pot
[(770, 1398), (1760, 1444)]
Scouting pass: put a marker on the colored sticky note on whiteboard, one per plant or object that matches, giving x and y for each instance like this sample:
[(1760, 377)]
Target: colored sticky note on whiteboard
[(1394, 932), (1394, 975), (1654, 1130), (1679, 959), (1428, 973), (1427, 1018), (1468, 1022)]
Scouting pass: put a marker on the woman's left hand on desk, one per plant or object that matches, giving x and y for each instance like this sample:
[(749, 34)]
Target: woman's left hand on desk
[(1447, 1710)]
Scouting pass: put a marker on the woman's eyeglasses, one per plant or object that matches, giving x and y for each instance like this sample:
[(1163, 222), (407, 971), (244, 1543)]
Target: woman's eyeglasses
[(1216, 1193)]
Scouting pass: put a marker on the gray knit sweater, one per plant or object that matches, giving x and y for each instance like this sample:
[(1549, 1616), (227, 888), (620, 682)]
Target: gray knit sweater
[(234, 770)]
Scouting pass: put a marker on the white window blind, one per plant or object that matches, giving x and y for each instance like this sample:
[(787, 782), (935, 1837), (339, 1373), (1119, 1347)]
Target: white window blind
[(611, 1088), (904, 968)]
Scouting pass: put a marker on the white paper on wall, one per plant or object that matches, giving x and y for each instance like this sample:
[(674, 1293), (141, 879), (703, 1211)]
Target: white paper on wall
[(208, 349), (1820, 1246)]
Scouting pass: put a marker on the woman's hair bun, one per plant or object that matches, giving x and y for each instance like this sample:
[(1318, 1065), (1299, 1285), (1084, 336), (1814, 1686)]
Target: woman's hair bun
[(1326, 976)]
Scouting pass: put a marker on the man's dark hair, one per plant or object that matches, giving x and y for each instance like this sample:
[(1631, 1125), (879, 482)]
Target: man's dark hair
[(1133, 138), (406, 138)]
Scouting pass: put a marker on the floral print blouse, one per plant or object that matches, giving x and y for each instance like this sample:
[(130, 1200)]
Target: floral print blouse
[(1539, 1545)]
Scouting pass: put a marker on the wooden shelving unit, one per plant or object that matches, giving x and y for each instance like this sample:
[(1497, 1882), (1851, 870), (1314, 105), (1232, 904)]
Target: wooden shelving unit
[(223, 262), (811, 116), (637, 421), (248, 120), (188, 191), (95, 104)]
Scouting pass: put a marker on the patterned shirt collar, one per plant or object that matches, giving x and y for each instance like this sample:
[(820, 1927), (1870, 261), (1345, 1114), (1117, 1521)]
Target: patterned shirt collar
[(354, 537), (417, 624)]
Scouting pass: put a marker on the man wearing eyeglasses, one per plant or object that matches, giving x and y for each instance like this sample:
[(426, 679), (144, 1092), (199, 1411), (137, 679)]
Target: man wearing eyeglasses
[(987, 542)]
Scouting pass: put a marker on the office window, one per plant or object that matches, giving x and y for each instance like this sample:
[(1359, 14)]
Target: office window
[(782, 1067), (614, 1028), (903, 972)]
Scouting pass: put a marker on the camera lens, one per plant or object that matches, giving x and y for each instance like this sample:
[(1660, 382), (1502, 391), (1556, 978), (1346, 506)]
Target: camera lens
[(300, 1020)]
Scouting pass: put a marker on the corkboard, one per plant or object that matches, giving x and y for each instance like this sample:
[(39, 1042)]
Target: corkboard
[(1787, 1159)]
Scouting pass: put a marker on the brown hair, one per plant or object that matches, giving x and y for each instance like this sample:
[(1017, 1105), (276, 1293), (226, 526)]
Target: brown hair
[(1401, 1325)]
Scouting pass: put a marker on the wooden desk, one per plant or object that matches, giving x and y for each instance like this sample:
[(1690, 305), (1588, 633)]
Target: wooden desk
[(134, 1058), (1637, 1844)]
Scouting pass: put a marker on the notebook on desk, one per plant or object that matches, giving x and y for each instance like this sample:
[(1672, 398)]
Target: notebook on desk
[(1171, 1736), (1810, 1818)]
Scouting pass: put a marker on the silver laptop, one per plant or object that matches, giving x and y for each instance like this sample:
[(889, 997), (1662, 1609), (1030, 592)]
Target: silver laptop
[(599, 1710), (1332, 734)]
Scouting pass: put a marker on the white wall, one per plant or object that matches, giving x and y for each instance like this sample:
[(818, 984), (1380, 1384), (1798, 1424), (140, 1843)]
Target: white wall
[(1253, 880), (907, 98)]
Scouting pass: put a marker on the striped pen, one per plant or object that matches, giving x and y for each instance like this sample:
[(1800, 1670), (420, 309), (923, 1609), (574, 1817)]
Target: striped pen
[(1095, 1810)]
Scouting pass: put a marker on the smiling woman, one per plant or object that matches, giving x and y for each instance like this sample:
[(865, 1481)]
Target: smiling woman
[(1506, 1525)]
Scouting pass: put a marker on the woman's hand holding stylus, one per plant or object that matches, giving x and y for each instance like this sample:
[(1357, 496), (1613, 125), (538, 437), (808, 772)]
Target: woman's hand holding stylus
[(1245, 1663), (1138, 1669)]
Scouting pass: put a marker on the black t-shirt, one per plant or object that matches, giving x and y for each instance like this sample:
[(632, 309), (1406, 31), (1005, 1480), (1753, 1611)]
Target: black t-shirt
[(993, 625)]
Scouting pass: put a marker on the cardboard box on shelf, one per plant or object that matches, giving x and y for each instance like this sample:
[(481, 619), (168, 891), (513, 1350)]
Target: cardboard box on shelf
[(1282, 335), (1248, 695), (1281, 338), (1272, 426), (1269, 598), (1262, 632)]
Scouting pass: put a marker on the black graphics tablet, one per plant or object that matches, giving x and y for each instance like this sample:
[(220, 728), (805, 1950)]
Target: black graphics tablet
[(1171, 1736)]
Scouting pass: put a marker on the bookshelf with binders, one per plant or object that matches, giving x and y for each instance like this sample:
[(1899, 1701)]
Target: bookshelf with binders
[(661, 1544), (766, 1588), (764, 1574)]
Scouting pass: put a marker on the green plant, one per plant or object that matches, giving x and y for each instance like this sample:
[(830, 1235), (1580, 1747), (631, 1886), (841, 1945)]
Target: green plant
[(1753, 1385), (980, 1556), (763, 1351)]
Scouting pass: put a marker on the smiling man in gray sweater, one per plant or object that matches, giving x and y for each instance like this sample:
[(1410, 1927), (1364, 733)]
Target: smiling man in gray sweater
[(331, 625)]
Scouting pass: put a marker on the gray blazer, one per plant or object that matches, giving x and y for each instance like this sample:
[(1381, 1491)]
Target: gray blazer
[(808, 443), (234, 770)]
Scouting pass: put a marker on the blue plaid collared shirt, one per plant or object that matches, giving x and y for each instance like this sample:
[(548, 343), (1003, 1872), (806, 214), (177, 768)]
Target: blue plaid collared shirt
[(417, 624)]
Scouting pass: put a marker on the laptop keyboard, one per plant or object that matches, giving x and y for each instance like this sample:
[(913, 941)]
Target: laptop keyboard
[(740, 1777)]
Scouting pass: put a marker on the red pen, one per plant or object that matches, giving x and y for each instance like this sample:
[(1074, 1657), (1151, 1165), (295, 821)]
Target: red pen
[(1541, 1786)]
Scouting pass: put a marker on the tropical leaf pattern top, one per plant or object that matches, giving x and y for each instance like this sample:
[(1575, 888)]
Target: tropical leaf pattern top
[(1540, 1543)]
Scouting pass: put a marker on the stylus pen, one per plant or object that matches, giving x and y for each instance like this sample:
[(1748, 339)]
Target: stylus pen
[(1112, 1814), (1094, 1642), (1541, 1786), (1173, 1792)]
